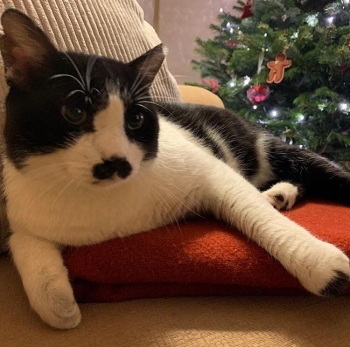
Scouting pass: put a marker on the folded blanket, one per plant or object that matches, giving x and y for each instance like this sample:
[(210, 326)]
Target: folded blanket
[(199, 257)]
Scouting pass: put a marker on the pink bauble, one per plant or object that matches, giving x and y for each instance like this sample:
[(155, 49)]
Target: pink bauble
[(258, 93)]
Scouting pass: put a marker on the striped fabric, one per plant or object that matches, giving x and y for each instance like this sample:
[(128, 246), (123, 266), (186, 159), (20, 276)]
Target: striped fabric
[(113, 28)]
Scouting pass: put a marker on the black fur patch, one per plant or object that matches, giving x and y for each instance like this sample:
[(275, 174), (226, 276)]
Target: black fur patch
[(314, 175), (337, 285)]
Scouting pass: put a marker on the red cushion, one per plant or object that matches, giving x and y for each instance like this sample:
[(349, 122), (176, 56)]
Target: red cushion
[(202, 257)]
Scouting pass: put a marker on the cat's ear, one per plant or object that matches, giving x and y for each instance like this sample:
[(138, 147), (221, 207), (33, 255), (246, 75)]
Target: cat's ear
[(149, 63), (24, 47)]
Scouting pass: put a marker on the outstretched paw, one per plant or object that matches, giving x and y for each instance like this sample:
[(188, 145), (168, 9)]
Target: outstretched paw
[(328, 272), (282, 195)]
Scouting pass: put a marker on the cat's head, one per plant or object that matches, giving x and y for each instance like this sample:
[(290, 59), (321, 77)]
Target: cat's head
[(85, 116)]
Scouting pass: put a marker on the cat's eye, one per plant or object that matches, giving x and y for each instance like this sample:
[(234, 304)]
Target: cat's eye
[(74, 115), (135, 121)]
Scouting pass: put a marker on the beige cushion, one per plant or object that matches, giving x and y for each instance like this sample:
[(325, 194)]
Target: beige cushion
[(198, 95), (113, 28)]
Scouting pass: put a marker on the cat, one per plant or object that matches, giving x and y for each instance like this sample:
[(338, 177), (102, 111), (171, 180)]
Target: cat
[(90, 157)]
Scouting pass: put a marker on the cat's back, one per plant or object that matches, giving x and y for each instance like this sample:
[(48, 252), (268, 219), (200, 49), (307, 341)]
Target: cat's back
[(230, 138)]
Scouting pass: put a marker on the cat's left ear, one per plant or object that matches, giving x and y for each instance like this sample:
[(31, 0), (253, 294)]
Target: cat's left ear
[(25, 48), (149, 63)]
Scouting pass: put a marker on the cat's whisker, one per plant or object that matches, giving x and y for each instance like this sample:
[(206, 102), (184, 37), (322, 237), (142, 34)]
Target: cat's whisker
[(177, 199), (143, 106), (70, 76), (77, 70), (163, 98), (157, 104), (51, 171), (60, 194), (89, 67), (169, 210), (141, 76), (165, 205), (95, 90), (73, 92), (143, 89), (138, 80)]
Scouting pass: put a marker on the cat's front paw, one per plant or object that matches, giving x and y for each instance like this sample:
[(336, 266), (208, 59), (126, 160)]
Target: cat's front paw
[(326, 272), (54, 301)]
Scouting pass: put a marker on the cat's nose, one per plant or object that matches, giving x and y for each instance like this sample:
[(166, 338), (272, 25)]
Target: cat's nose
[(113, 166)]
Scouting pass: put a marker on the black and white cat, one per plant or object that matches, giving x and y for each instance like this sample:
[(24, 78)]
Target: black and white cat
[(90, 157)]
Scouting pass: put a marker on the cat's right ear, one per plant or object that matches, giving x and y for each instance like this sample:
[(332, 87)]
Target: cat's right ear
[(25, 48)]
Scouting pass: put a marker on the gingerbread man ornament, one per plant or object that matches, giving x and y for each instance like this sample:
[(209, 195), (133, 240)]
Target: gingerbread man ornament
[(277, 68)]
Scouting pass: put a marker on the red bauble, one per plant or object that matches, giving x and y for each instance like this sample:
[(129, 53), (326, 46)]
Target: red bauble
[(258, 93), (231, 43)]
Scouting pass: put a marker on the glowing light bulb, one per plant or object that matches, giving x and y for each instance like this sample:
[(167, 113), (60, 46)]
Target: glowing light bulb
[(247, 80), (301, 117), (330, 20), (255, 107), (231, 31), (228, 25), (221, 10), (265, 34), (343, 106), (274, 114)]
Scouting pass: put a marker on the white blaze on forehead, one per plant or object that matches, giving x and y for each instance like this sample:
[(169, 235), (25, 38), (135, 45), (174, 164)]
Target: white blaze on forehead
[(112, 116), (109, 137)]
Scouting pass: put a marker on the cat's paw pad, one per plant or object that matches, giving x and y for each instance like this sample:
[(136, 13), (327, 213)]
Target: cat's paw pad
[(55, 304), (328, 271), (282, 195)]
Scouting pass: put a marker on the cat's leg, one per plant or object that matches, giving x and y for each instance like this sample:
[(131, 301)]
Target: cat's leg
[(45, 280), (283, 195), (321, 268)]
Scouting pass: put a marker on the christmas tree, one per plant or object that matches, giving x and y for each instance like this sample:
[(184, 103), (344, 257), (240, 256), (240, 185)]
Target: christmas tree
[(302, 48)]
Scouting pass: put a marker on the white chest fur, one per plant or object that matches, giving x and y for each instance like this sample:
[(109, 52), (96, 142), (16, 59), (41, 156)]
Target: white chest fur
[(47, 206)]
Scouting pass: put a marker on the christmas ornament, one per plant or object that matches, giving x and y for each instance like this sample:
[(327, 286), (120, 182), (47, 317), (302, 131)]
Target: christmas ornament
[(212, 83), (231, 43), (246, 10), (258, 93), (277, 68)]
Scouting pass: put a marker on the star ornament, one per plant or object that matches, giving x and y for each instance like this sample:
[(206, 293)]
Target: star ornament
[(277, 68)]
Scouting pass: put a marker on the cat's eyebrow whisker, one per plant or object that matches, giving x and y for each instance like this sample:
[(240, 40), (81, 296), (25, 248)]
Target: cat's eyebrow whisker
[(68, 75), (143, 106), (89, 67), (139, 91), (136, 92), (154, 103), (74, 92), (151, 97), (95, 90), (141, 76), (76, 69)]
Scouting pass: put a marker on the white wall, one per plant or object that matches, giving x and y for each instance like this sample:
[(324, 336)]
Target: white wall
[(180, 22)]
